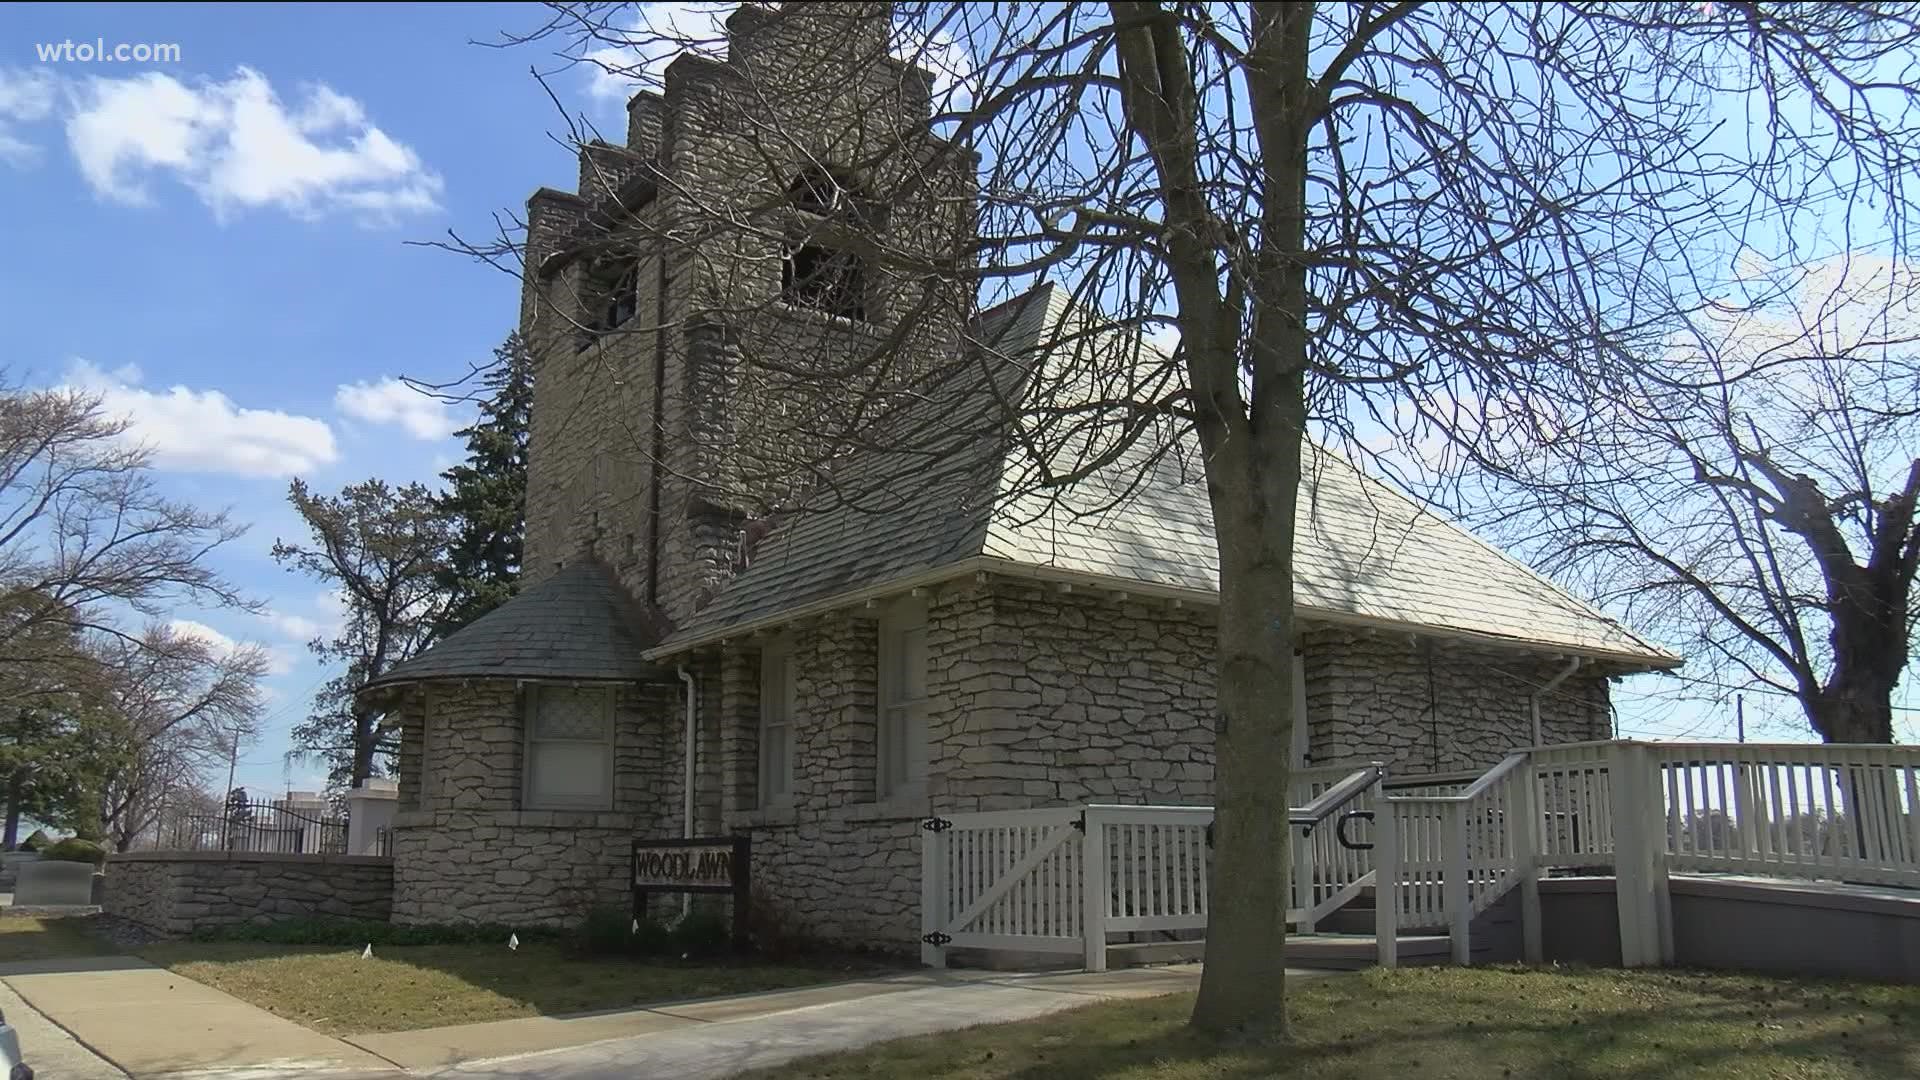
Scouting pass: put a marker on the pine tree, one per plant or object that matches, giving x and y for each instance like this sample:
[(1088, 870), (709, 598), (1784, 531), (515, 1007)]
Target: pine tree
[(486, 497)]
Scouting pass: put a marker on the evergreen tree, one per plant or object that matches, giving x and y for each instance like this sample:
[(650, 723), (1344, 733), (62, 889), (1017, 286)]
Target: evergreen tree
[(485, 501)]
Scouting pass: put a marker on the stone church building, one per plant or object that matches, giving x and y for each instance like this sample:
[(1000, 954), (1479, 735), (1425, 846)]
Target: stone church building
[(679, 661)]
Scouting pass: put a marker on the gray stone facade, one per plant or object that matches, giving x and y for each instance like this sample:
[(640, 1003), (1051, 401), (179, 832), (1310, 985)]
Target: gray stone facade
[(654, 442), (175, 893), (1045, 698)]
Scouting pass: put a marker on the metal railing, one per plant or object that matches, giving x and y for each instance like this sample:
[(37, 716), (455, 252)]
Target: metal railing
[(263, 828)]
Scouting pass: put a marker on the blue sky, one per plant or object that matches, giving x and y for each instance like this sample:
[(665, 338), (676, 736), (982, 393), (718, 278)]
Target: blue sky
[(219, 245)]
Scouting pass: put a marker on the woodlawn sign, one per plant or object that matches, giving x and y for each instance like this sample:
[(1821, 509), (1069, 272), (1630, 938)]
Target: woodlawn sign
[(696, 865)]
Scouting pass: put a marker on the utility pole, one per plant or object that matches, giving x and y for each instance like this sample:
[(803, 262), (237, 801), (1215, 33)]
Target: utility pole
[(1740, 716)]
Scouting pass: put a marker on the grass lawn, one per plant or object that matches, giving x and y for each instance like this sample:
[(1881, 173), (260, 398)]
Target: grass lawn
[(1449, 1022), (333, 990), (29, 937)]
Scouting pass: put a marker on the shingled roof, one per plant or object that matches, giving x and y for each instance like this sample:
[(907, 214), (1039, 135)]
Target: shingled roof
[(1364, 553), (576, 624)]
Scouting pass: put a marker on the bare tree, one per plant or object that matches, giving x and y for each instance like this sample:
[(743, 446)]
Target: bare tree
[(1753, 494), (1349, 215), (179, 703), (85, 538)]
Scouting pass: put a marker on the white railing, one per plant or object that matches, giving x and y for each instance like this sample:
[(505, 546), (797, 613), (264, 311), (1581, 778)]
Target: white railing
[(1146, 870), (1455, 855), (1007, 879), (1574, 795), (1326, 872), (1063, 880), (1844, 813)]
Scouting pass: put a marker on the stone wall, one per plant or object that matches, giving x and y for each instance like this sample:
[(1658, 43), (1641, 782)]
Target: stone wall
[(1044, 698), (650, 443), (844, 866), (176, 893), (520, 868), (1434, 706), (467, 849)]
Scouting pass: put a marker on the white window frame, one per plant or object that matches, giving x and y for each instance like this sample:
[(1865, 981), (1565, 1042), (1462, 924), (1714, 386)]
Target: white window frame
[(778, 707), (900, 743), (532, 800)]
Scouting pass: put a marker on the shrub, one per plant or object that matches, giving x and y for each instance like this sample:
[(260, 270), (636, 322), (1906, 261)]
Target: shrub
[(612, 932), (773, 929), (36, 840), (75, 849)]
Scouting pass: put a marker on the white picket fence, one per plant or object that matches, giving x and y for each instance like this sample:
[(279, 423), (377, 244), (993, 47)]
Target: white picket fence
[(1064, 880)]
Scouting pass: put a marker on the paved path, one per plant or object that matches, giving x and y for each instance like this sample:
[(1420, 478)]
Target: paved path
[(49, 1049), (150, 1022), (709, 1049), (153, 1023)]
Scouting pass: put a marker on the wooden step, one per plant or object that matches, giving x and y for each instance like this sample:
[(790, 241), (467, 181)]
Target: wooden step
[(1343, 952)]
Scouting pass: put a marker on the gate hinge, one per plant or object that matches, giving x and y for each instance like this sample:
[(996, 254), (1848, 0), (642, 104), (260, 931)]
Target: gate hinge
[(936, 938), (936, 824), (1081, 821)]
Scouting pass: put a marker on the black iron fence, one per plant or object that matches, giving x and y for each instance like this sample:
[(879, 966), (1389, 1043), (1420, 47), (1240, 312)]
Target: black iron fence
[(256, 827)]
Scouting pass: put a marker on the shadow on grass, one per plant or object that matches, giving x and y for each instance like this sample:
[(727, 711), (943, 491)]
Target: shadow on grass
[(1453, 1023), (27, 941)]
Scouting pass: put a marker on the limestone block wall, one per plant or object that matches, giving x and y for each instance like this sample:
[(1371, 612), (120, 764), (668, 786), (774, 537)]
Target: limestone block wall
[(467, 849), (1438, 707), (176, 893), (1043, 698), (1052, 698), (842, 865), (518, 868)]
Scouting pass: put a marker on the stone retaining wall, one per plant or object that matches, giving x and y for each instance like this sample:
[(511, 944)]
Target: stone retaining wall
[(177, 892), (525, 868)]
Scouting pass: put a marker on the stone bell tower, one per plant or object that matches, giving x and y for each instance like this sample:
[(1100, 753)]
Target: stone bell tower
[(775, 240)]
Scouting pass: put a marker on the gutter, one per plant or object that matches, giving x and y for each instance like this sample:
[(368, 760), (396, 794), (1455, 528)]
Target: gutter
[(1573, 665), (686, 796), (1655, 660)]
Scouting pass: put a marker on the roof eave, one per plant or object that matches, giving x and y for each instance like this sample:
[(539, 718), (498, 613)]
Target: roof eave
[(1654, 660)]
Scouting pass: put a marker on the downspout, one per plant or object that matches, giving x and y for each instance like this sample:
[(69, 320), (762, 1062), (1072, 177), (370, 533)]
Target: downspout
[(686, 784), (1573, 665)]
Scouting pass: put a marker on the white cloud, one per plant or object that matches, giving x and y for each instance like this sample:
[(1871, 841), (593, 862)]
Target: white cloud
[(279, 660), (297, 627), (662, 31), (392, 401), (190, 628), (238, 146), (25, 97), (204, 431)]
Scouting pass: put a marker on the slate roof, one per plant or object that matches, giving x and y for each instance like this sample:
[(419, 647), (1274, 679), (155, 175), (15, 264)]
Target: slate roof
[(577, 624), (1364, 553)]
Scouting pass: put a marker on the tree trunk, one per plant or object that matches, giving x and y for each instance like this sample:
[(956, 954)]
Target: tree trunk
[(15, 784), (1253, 483), (365, 741), (1858, 711), (1243, 991), (1869, 656)]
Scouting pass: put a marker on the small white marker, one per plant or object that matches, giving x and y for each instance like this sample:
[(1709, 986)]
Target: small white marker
[(513, 942), (636, 927), (367, 953)]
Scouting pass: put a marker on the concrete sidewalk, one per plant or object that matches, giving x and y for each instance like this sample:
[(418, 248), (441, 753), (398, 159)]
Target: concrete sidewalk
[(150, 1022), (48, 1048), (709, 1045)]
